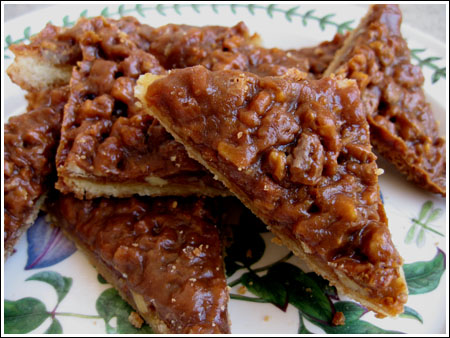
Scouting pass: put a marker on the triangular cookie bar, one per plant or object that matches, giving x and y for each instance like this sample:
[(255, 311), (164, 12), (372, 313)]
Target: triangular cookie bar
[(108, 147), (30, 146), (402, 126), (297, 153), (163, 255)]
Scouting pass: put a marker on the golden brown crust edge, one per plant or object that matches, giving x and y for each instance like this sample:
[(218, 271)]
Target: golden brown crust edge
[(341, 282), (348, 44), (88, 188), (413, 173), (33, 73)]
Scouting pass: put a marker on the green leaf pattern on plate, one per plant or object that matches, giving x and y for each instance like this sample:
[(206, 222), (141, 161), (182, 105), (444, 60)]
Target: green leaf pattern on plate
[(439, 72), (160, 9), (176, 7), (270, 10), (423, 277), (61, 284), (304, 293), (55, 327), (301, 326), (352, 313), (101, 280), (24, 315), (121, 10), (26, 33), (411, 313), (110, 305), (140, 11), (196, 8), (324, 21), (266, 287), (105, 12), (27, 314)]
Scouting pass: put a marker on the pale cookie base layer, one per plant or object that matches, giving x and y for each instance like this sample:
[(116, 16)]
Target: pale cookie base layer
[(341, 54), (87, 188), (35, 74)]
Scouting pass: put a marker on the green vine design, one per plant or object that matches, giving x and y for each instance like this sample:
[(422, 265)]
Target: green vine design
[(289, 13), (27, 314)]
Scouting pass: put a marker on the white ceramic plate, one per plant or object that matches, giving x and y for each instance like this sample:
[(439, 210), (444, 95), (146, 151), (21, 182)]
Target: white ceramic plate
[(54, 265)]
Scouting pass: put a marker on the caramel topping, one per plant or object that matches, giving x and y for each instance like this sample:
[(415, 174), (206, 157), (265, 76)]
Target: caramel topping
[(30, 145), (305, 164), (170, 262), (403, 128), (105, 135)]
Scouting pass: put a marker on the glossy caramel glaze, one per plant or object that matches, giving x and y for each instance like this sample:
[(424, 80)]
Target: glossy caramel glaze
[(165, 249), (105, 136), (219, 48), (403, 128), (62, 46), (30, 146), (179, 46)]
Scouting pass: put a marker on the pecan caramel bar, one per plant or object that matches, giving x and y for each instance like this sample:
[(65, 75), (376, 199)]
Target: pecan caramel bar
[(110, 148), (163, 255), (47, 61), (219, 48), (87, 164), (402, 126), (30, 145), (179, 46), (297, 153)]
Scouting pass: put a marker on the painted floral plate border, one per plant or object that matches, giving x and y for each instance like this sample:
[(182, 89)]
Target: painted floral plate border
[(49, 287)]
